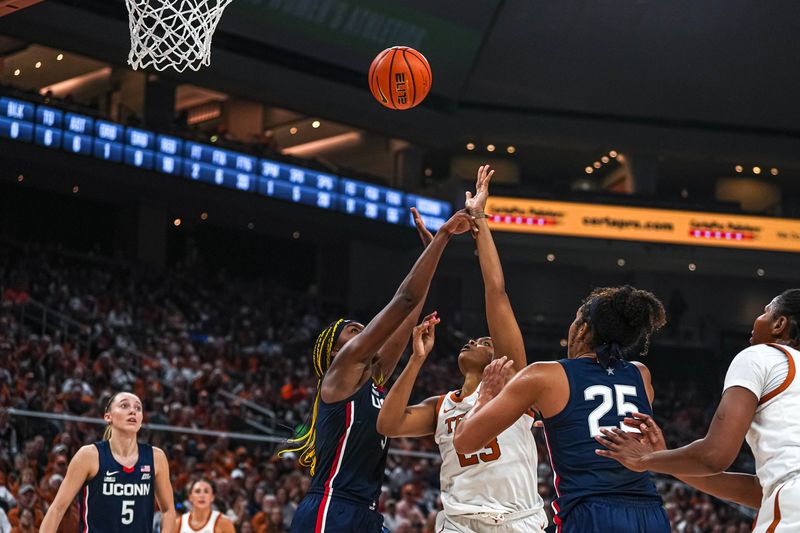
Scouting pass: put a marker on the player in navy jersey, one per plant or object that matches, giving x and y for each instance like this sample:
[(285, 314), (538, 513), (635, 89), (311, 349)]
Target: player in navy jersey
[(341, 446), (594, 388), (119, 479)]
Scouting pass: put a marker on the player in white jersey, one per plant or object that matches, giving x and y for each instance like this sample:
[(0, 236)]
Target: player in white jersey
[(494, 490), (760, 403), (202, 518)]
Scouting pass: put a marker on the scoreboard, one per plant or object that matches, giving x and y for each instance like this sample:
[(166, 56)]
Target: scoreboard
[(57, 129)]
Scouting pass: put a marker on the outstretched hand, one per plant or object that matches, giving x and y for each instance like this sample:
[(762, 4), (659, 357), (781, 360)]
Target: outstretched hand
[(476, 205), (460, 222), (495, 376), (424, 335), (630, 449), (651, 432), (425, 236)]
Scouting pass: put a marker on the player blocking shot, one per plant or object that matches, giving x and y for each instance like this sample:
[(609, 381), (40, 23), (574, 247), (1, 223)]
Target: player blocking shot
[(341, 447), (119, 479), (760, 404), (595, 387), (493, 489)]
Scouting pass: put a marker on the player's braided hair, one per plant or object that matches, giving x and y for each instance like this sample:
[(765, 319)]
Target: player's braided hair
[(788, 304), (622, 320), (321, 357)]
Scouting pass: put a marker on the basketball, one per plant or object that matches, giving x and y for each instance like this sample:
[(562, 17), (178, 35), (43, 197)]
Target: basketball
[(400, 77)]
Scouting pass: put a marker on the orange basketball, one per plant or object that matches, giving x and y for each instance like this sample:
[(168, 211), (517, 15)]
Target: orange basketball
[(400, 77)]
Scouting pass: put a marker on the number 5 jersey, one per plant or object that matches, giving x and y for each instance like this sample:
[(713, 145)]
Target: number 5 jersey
[(500, 479), (119, 499)]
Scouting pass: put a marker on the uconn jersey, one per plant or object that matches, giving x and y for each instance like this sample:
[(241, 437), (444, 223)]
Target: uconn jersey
[(351, 457), (119, 499), (596, 493)]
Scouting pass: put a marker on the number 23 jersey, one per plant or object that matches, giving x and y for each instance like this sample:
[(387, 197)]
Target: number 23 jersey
[(119, 499), (501, 478)]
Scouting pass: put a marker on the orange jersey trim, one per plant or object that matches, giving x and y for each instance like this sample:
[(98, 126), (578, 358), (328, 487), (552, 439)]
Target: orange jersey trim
[(777, 514), (439, 403), (789, 377)]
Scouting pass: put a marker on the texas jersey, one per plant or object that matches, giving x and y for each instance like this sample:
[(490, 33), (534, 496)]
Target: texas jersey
[(768, 371), (499, 479), (119, 499), (208, 527), (598, 398)]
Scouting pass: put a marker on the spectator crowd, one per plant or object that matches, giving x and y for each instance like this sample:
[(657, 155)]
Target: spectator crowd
[(208, 352)]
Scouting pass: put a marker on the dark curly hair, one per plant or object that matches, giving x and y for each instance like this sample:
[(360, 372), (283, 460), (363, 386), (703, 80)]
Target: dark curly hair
[(622, 320), (788, 304)]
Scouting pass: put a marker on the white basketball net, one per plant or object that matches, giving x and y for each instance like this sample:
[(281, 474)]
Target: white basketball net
[(173, 33)]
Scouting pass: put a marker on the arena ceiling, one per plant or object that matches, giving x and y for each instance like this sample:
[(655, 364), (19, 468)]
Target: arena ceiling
[(678, 77)]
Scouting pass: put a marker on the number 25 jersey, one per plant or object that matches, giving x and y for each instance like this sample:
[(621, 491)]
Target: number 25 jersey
[(499, 479), (119, 499), (598, 398)]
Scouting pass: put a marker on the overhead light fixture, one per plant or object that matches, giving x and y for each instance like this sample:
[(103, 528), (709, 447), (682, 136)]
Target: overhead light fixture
[(774, 171), (756, 170), (20, 178), (551, 258), (490, 148), (177, 222), (335, 142), (511, 149), (251, 225), (429, 172), (59, 57), (17, 72), (38, 64), (760, 272), (692, 267), (620, 262), (738, 169), (75, 189), (214, 138), (470, 146), (597, 164), (612, 153), (588, 170), (604, 159), (203, 216), (296, 235), (292, 130), (316, 124)]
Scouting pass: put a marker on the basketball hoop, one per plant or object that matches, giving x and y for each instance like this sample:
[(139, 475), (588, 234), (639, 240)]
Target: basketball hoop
[(172, 33)]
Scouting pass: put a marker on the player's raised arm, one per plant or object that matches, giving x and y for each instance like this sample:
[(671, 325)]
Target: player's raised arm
[(499, 404), (82, 467), (347, 368), (391, 351), (503, 327), (397, 418), (164, 494)]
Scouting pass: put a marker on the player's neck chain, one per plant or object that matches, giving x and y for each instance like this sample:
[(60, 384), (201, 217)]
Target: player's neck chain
[(585, 355)]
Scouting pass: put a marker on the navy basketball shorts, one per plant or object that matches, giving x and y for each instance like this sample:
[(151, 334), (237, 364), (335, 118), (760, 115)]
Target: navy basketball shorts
[(620, 514), (317, 514)]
